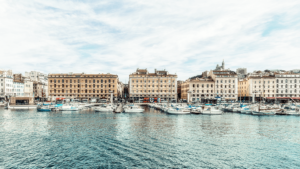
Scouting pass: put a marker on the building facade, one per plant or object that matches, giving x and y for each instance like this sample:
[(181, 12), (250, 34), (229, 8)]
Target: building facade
[(82, 86), (28, 87), (18, 89), (242, 71), (179, 83), (287, 84), (6, 83), (159, 84), (226, 84), (256, 86), (198, 89), (37, 76), (120, 90)]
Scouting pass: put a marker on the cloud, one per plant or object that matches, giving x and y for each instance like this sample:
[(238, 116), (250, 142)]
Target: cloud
[(183, 37)]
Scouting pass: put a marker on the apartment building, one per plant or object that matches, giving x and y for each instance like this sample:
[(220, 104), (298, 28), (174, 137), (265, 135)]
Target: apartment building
[(198, 89), (81, 85), (287, 84), (226, 83), (28, 87), (37, 76), (6, 83), (257, 85), (160, 84)]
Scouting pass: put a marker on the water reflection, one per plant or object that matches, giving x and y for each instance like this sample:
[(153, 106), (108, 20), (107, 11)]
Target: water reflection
[(147, 140)]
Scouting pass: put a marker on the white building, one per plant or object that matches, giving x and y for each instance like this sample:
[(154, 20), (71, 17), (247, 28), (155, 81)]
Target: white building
[(288, 85), (37, 76), (18, 89), (40, 83), (6, 83)]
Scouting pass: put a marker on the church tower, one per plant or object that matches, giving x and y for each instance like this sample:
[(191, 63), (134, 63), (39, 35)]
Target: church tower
[(223, 65)]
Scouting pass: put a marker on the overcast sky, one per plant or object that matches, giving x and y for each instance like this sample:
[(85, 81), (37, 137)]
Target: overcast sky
[(185, 37)]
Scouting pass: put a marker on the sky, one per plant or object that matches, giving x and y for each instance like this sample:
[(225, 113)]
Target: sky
[(118, 36)]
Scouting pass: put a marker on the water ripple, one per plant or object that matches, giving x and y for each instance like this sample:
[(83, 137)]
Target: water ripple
[(31, 139)]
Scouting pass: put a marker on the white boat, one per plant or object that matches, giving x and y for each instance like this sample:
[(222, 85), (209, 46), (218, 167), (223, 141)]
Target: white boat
[(246, 110), (104, 108), (197, 110), (20, 107), (291, 110), (133, 109), (258, 111), (211, 110), (68, 108), (178, 110)]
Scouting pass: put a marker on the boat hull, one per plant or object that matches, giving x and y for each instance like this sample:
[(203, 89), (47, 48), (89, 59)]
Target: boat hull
[(212, 112), (262, 113), (177, 112), (43, 110), (134, 110)]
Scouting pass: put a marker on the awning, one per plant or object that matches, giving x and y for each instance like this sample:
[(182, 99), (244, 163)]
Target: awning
[(281, 98)]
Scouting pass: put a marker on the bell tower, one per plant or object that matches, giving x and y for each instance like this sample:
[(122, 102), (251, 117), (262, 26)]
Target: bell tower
[(223, 65)]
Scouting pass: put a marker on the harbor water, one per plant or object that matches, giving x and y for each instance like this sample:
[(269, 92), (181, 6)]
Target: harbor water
[(153, 139)]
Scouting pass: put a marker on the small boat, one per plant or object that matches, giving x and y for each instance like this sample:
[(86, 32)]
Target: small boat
[(196, 111), (69, 108), (211, 110), (246, 110), (133, 109), (291, 110), (178, 110), (104, 108), (44, 108)]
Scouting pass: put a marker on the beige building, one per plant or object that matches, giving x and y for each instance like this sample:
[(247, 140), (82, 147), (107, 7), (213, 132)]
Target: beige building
[(159, 84), (258, 84), (39, 90), (201, 88), (28, 87), (81, 85), (226, 83)]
